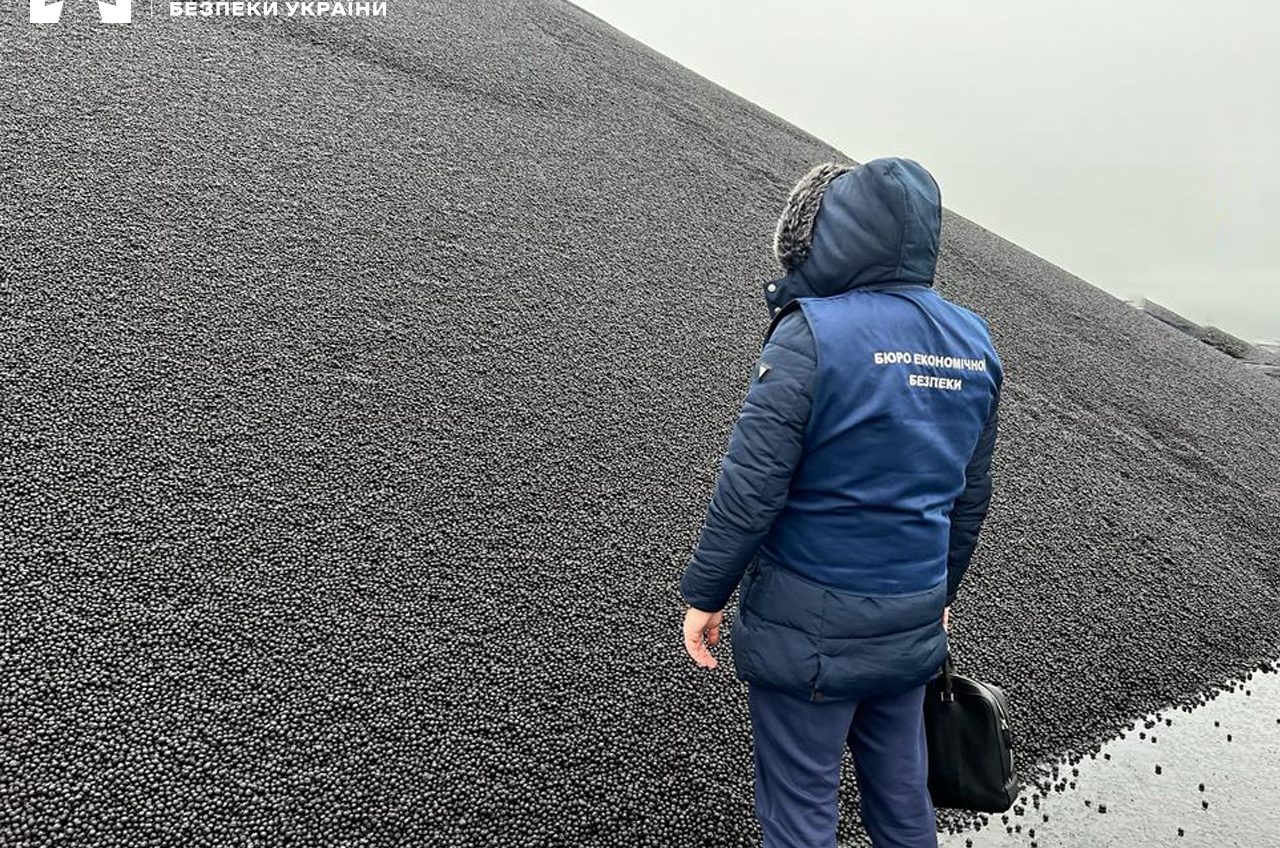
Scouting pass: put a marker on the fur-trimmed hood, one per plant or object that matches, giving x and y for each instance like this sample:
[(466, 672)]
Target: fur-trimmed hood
[(845, 226)]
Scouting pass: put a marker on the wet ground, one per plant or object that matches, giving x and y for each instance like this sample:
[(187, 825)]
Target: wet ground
[(1207, 777)]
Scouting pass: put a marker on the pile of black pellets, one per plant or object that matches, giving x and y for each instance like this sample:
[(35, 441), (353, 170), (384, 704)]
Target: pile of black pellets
[(362, 387)]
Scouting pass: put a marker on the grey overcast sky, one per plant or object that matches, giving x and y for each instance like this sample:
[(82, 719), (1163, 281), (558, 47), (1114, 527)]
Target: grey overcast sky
[(1134, 143)]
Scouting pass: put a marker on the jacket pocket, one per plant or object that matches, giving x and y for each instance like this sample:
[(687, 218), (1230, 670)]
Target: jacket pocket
[(749, 590)]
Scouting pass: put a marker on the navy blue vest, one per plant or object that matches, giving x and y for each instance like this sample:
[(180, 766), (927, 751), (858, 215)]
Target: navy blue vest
[(845, 598)]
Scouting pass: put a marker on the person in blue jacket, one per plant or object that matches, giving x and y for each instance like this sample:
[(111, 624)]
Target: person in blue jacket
[(848, 505)]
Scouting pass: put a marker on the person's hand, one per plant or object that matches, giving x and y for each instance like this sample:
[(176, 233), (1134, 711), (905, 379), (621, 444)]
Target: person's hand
[(946, 618), (696, 624)]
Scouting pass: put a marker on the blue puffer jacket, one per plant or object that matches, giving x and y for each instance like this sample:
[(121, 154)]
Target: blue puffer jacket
[(858, 473)]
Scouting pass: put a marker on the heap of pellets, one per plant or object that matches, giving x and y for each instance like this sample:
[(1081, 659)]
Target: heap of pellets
[(365, 382)]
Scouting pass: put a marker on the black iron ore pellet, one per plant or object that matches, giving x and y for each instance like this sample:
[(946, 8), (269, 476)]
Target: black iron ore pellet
[(363, 392)]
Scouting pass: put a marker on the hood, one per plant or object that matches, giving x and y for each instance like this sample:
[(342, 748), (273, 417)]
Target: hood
[(875, 223)]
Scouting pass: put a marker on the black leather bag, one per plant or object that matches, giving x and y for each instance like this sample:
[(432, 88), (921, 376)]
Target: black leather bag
[(970, 743)]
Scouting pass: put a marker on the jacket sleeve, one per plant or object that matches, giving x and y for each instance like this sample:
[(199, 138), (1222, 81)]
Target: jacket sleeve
[(970, 508), (765, 448)]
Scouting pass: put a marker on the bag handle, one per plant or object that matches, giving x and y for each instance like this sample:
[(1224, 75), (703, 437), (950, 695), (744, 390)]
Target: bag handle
[(948, 669)]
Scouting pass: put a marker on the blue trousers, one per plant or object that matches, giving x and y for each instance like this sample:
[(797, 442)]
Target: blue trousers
[(798, 749)]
